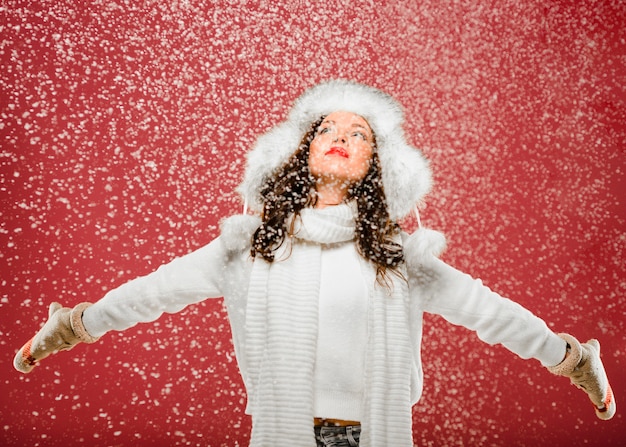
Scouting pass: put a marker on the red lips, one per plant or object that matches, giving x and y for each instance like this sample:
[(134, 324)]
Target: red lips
[(337, 150)]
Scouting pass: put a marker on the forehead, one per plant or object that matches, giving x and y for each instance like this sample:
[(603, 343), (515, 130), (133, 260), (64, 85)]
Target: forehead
[(347, 118)]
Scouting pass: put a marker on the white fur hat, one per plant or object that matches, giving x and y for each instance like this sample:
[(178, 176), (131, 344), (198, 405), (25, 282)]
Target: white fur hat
[(405, 171)]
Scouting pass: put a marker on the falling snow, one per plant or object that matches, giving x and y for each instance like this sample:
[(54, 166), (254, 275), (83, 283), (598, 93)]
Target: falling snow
[(123, 127)]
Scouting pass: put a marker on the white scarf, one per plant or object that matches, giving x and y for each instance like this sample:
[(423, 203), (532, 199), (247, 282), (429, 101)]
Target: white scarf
[(281, 337)]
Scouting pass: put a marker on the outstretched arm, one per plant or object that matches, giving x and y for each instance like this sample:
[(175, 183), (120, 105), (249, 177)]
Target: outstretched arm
[(185, 280), (465, 301)]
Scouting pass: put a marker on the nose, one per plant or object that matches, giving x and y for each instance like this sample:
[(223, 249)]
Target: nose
[(340, 137)]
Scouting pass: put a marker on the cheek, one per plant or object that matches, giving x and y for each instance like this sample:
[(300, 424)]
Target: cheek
[(315, 148), (362, 161), (315, 155)]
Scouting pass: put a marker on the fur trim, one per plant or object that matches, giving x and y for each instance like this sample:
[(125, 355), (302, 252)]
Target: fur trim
[(421, 250), (424, 243), (406, 173), (76, 323), (237, 231)]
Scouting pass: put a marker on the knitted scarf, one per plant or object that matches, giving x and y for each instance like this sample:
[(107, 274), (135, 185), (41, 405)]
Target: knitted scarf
[(281, 337)]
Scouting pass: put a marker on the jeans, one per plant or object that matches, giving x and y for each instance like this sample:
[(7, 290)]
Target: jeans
[(337, 436)]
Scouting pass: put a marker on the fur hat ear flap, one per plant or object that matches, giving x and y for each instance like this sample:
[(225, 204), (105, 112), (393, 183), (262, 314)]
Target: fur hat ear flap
[(270, 151), (237, 231), (406, 173)]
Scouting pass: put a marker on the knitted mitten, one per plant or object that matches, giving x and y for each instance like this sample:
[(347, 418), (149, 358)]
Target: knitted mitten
[(63, 330), (585, 370)]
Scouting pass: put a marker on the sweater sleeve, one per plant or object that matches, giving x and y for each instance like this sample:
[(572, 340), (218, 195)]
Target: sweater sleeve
[(465, 301), (185, 280)]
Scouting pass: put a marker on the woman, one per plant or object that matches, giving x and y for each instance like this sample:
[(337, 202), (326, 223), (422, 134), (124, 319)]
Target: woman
[(322, 248)]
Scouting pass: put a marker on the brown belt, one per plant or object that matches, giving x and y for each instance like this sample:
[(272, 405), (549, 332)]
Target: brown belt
[(333, 422)]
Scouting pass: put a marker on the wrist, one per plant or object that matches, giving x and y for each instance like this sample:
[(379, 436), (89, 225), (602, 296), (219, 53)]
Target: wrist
[(568, 350), (76, 323), (572, 356)]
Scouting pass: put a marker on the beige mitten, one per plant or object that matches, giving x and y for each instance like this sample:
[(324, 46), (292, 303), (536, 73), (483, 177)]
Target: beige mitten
[(63, 330), (585, 370)]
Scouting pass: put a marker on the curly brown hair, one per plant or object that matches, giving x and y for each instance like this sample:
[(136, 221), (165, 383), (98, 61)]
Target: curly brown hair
[(292, 188)]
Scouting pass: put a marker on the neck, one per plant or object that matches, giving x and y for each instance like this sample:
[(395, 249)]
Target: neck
[(329, 194)]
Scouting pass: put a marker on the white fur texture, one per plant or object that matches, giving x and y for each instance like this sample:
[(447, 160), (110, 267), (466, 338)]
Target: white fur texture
[(237, 230), (406, 173), (423, 244)]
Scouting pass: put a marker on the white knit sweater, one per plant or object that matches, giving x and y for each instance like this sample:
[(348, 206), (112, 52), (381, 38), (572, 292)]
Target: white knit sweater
[(342, 335), (275, 328)]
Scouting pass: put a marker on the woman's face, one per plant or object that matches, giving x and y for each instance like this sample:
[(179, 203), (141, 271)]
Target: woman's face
[(342, 148)]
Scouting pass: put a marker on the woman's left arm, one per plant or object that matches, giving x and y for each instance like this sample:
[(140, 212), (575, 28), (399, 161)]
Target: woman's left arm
[(465, 301)]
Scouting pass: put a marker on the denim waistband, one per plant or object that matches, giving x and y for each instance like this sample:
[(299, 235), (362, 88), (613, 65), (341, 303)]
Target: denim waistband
[(337, 436)]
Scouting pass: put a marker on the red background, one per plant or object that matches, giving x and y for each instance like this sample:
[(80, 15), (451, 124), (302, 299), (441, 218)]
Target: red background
[(123, 128)]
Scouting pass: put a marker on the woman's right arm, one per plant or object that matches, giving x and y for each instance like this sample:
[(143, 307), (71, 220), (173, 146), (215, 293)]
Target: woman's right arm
[(183, 281), (212, 271)]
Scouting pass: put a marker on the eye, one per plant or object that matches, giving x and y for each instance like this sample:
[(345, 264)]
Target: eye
[(322, 130), (359, 135)]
